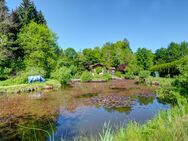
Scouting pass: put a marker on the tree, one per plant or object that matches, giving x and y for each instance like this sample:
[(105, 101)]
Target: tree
[(117, 53), (41, 19), (4, 31), (70, 53), (27, 12), (4, 18), (39, 44), (92, 56), (144, 58), (174, 52), (3, 50)]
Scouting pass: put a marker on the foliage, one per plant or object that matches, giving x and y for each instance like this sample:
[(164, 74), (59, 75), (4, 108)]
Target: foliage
[(7, 40), (144, 58), (132, 70), (25, 88), (118, 74), (117, 53), (92, 56), (104, 77), (27, 12), (63, 75), (86, 76), (174, 52), (168, 125), (143, 75), (22, 77), (98, 70), (169, 68), (39, 45), (164, 82), (107, 76), (168, 95), (129, 75), (70, 53), (182, 80)]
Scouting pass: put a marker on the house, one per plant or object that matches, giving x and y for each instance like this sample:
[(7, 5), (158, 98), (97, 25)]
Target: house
[(98, 65)]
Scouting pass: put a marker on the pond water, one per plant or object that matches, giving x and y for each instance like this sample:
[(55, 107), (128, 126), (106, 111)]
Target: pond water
[(81, 110)]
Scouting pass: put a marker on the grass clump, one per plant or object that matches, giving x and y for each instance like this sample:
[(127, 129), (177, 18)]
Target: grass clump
[(103, 77), (164, 82)]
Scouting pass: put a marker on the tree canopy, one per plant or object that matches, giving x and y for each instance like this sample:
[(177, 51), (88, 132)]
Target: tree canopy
[(26, 42)]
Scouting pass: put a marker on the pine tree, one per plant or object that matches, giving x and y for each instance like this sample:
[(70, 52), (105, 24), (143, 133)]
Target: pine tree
[(27, 12), (41, 19), (4, 18), (10, 51)]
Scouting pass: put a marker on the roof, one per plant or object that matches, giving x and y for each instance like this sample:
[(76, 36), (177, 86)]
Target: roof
[(96, 65)]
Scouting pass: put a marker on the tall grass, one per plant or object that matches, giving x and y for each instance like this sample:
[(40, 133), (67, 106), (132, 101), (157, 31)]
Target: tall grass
[(164, 82), (25, 88), (171, 125)]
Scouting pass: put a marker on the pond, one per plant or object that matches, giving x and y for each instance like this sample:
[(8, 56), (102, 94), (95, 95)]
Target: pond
[(78, 111)]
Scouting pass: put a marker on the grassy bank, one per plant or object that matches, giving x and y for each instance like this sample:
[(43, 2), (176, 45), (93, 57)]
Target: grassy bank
[(164, 82), (171, 125), (25, 88)]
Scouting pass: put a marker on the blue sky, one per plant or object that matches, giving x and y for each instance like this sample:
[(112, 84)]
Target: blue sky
[(88, 23)]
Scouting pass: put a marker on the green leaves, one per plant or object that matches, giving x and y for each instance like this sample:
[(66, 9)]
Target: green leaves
[(174, 52), (86, 76), (63, 75), (39, 45), (144, 58)]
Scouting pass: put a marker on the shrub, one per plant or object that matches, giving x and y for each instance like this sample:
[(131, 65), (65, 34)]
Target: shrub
[(143, 75), (107, 76), (63, 75), (168, 95), (182, 81), (118, 74), (129, 75), (73, 69), (98, 70), (86, 76), (4, 73)]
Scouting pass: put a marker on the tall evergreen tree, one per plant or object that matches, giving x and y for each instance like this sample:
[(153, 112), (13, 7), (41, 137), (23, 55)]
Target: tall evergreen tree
[(5, 22), (27, 12), (41, 19)]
